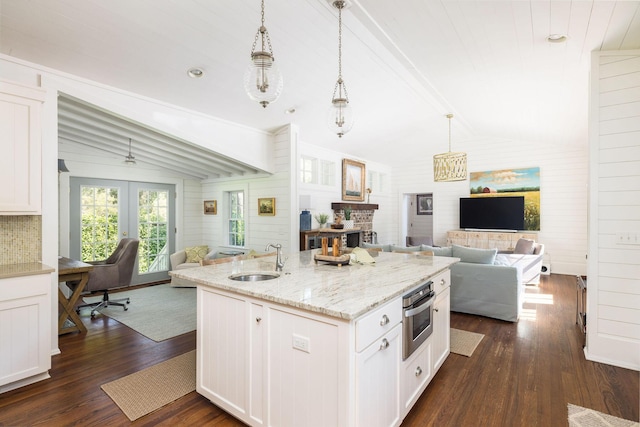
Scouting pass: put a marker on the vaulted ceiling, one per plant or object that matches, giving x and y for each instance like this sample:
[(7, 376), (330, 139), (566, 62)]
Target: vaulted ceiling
[(406, 65)]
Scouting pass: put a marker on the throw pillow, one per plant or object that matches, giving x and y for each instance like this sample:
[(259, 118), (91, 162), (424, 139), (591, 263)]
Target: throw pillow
[(196, 253), (524, 247), (437, 251), (385, 248), (474, 255)]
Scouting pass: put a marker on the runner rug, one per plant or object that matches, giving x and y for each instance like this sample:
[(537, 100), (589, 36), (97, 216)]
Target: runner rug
[(143, 392), (464, 342)]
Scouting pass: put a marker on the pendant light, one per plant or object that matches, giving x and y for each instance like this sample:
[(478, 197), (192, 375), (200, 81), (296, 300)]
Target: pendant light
[(340, 117), (450, 166), (262, 80), (129, 159)]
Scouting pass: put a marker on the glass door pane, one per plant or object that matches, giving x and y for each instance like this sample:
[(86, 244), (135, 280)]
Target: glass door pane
[(153, 230)]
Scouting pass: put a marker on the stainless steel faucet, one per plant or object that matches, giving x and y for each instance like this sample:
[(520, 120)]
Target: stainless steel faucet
[(279, 261)]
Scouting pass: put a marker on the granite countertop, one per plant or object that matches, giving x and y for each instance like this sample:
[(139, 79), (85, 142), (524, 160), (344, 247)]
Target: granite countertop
[(8, 271), (345, 292)]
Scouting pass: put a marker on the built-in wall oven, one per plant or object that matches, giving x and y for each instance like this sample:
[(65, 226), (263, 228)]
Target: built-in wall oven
[(417, 317)]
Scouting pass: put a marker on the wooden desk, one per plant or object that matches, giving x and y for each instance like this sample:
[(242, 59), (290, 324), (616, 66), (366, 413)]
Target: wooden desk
[(70, 270)]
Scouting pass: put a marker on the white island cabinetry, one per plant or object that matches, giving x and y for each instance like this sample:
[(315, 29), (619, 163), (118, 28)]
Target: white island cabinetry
[(378, 360), (256, 358), (441, 337), (318, 346)]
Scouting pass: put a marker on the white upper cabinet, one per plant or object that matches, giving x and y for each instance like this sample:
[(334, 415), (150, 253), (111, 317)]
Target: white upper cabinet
[(20, 145)]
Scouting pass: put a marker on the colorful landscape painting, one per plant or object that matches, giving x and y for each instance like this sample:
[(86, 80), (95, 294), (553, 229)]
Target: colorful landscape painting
[(512, 182)]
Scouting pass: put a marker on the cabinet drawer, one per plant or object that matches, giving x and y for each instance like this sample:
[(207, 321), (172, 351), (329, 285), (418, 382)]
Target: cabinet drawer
[(416, 373), (442, 281), (375, 324), (25, 286)]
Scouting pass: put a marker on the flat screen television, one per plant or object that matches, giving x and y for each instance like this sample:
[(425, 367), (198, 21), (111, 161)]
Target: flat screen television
[(492, 213)]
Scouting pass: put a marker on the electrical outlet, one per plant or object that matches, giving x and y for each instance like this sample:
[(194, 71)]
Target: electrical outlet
[(301, 343), (627, 239)]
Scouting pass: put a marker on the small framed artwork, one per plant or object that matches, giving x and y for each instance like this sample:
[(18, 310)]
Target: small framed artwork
[(267, 206), (425, 204), (353, 180), (211, 207)]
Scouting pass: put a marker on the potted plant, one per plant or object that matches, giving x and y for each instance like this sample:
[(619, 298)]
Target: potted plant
[(348, 222), (322, 219)]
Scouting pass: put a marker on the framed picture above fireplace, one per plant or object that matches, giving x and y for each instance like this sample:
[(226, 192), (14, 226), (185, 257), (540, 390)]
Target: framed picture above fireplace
[(353, 180)]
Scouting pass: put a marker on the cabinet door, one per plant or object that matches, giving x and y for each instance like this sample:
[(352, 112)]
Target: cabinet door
[(223, 358), (304, 368), (378, 381), (21, 162), (257, 364), (441, 329), (25, 333)]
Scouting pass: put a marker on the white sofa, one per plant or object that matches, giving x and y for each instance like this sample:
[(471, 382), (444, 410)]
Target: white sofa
[(179, 262), (485, 282)]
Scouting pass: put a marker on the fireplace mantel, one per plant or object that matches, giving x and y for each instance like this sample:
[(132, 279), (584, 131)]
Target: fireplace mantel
[(354, 206)]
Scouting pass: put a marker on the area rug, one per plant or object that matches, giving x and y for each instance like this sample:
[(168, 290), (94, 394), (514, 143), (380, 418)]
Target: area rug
[(583, 417), (464, 342), (158, 312), (143, 392)]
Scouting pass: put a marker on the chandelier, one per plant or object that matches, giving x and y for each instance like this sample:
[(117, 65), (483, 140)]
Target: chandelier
[(450, 166), (262, 80), (340, 117)]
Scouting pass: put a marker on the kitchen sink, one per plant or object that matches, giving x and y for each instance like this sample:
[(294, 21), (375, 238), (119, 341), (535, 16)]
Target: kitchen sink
[(254, 277)]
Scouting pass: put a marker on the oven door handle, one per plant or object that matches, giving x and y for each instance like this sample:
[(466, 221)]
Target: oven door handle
[(419, 309)]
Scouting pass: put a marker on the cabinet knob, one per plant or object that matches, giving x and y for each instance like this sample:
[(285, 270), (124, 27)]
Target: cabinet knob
[(258, 319), (436, 310), (384, 320), (442, 282), (418, 371), (384, 344)]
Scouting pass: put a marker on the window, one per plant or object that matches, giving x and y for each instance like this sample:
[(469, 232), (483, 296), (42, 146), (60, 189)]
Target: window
[(236, 218), (327, 172), (308, 170)]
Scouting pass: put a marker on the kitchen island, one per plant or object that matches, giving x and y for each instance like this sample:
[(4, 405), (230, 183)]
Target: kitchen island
[(319, 345)]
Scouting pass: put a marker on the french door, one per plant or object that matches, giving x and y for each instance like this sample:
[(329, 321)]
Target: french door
[(105, 211)]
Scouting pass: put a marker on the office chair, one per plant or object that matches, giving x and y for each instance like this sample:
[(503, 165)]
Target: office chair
[(114, 272)]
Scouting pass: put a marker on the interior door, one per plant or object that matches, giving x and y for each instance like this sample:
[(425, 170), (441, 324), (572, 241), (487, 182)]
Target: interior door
[(419, 219), (104, 211)]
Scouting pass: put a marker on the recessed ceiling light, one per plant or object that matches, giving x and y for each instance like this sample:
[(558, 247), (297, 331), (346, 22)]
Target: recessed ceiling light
[(556, 38), (195, 73)]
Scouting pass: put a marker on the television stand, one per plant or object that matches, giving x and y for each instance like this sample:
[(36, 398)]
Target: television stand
[(483, 239)]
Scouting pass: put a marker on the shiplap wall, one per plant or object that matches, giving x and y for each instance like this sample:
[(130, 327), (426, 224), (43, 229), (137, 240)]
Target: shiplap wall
[(613, 283), (260, 230), (563, 197), (323, 195)]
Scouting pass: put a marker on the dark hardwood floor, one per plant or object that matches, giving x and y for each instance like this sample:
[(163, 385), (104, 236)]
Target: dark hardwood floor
[(521, 374)]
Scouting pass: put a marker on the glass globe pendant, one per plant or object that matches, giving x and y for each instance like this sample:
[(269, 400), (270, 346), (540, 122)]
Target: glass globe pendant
[(340, 116), (262, 80)]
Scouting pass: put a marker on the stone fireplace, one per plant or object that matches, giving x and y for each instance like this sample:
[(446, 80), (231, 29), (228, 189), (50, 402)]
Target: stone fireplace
[(361, 214)]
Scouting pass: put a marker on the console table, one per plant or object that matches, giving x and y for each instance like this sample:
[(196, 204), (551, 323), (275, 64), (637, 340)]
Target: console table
[(311, 239), (487, 239)]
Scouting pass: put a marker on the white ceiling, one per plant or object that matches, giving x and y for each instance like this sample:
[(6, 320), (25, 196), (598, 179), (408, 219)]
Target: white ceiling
[(406, 64)]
